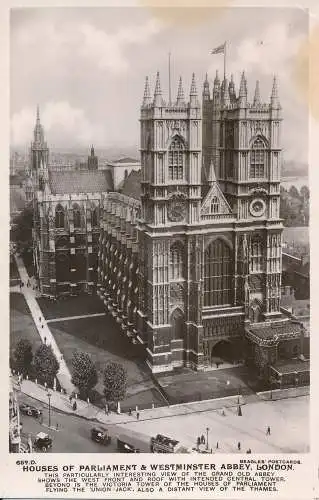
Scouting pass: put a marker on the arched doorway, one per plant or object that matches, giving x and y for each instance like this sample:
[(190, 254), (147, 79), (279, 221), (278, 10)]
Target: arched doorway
[(221, 352), (177, 324)]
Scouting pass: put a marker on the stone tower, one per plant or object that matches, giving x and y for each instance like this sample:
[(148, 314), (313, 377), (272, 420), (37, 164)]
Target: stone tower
[(171, 145), (245, 147)]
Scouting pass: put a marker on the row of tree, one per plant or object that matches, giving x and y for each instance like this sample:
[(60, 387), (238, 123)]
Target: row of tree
[(294, 206), (44, 366)]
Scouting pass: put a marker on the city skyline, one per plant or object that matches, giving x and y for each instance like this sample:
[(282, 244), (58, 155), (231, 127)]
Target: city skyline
[(86, 68)]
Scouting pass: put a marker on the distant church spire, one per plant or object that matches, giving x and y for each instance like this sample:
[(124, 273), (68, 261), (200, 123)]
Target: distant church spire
[(257, 100), (180, 92), (147, 93), (158, 101), (38, 130)]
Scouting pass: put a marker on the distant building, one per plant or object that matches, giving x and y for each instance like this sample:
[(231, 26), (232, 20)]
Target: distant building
[(121, 169), (66, 232), (92, 161)]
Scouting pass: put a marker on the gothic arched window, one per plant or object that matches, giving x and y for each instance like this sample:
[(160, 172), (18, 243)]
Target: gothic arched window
[(256, 254), (176, 159), (214, 205), (176, 261), (95, 217), (257, 159), (218, 272), (59, 217), (76, 215)]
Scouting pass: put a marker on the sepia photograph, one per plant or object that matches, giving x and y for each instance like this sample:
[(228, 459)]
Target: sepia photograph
[(159, 245)]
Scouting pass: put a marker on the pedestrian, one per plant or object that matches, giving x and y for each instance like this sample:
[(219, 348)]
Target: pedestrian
[(203, 439), (70, 398), (42, 326), (198, 441), (40, 319), (217, 445), (239, 446), (130, 412), (74, 406), (223, 413), (268, 431), (137, 416)]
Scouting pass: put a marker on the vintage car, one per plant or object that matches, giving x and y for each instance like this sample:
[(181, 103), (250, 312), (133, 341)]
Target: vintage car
[(100, 435), (32, 411), (42, 442)]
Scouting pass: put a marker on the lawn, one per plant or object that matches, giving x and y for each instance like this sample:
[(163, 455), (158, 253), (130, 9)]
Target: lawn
[(21, 322), (198, 386), (71, 306), (102, 338)]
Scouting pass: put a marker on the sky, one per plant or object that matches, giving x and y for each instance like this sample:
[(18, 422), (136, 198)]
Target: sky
[(86, 67)]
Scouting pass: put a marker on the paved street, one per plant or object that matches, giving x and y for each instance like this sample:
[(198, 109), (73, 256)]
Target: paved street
[(73, 435), (287, 418)]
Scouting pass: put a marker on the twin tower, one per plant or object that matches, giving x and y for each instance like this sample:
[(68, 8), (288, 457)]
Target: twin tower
[(209, 233)]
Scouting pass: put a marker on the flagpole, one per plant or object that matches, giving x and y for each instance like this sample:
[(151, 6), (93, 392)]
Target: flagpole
[(169, 78), (225, 50)]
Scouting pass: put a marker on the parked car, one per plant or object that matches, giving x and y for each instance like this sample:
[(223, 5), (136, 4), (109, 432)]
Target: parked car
[(100, 435), (42, 442), (32, 411)]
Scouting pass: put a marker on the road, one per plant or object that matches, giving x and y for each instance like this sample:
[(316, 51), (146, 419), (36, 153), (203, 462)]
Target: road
[(73, 435)]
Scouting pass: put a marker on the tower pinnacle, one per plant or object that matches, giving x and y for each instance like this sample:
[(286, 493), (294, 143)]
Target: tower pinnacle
[(38, 130), (274, 101), (242, 90), (158, 101), (231, 87), (147, 93), (257, 100), (193, 92), (180, 92)]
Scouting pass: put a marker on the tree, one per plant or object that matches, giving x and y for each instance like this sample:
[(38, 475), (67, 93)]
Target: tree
[(84, 374), (46, 365), (22, 232), (304, 192), (293, 192), (22, 356), (115, 379)]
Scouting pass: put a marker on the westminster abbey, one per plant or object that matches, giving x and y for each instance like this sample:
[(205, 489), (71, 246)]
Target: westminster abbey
[(189, 250)]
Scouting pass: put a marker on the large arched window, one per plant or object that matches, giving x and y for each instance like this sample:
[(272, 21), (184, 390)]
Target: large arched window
[(218, 273), (176, 158), (256, 254), (176, 261), (257, 159), (76, 215), (59, 217)]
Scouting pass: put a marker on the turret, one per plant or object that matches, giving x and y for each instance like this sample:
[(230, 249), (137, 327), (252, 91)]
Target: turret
[(158, 100), (257, 100), (225, 93), (231, 89), (193, 96), (180, 93), (92, 150), (242, 96), (206, 90), (147, 94), (274, 100)]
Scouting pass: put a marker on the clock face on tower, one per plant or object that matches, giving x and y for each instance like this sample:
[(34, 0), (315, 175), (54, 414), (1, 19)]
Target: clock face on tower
[(177, 208), (257, 207)]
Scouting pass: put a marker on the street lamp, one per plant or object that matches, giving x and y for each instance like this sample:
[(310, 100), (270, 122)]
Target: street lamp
[(49, 398), (207, 430)]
